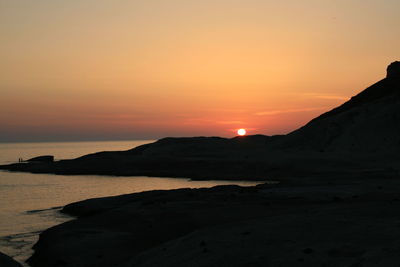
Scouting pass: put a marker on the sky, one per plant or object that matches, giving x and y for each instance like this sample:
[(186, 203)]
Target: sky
[(126, 69)]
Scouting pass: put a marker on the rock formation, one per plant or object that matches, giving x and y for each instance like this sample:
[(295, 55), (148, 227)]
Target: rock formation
[(6, 261), (393, 70), (368, 123), (331, 223), (46, 158)]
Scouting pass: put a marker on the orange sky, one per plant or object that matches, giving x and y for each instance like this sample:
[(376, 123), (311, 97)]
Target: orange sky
[(93, 69)]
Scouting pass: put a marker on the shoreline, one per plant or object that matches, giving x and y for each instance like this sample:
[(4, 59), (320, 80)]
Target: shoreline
[(209, 226), (159, 175), (42, 214), (273, 167)]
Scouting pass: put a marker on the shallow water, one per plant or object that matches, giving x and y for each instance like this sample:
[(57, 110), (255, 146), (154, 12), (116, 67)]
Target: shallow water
[(28, 202)]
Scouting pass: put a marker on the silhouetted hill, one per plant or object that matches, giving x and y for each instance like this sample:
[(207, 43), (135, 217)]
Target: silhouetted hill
[(203, 147), (363, 133), (368, 122)]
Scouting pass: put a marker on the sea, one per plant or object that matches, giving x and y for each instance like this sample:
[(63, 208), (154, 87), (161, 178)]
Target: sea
[(30, 203)]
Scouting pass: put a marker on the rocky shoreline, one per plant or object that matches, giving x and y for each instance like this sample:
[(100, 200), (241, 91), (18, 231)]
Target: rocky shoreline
[(321, 221), (6, 261), (336, 204), (211, 158)]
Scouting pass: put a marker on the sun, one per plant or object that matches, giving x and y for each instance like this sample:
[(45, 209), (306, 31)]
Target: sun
[(241, 132)]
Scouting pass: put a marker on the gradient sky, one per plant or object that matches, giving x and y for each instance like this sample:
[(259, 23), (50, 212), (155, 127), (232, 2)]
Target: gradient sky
[(96, 69)]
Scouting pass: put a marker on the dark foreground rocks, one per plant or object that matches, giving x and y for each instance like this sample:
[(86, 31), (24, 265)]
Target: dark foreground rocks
[(6, 261), (351, 220)]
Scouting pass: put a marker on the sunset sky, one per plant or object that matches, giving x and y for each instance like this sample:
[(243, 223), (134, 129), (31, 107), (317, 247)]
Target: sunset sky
[(105, 70)]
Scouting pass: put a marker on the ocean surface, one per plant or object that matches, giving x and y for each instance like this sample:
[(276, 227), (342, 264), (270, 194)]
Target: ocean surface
[(30, 203)]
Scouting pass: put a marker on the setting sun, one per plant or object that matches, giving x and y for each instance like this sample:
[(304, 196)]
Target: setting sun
[(241, 132)]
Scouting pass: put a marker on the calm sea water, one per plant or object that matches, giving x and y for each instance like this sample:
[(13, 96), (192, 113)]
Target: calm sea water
[(29, 203)]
